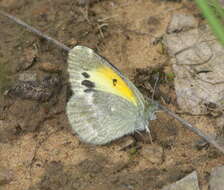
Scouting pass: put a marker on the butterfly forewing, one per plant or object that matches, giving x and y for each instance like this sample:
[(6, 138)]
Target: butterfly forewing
[(104, 105)]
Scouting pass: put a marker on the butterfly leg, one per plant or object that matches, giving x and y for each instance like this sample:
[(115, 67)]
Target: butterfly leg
[(150, 136), (148, 131)]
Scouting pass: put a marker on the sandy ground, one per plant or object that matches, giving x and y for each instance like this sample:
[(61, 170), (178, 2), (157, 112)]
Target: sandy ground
[(38, 149)]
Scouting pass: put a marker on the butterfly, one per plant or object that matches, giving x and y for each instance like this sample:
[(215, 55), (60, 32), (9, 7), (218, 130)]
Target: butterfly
[(104, 105)]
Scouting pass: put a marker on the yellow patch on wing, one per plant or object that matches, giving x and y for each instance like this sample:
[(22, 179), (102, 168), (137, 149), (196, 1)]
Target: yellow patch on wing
[(108, 80)]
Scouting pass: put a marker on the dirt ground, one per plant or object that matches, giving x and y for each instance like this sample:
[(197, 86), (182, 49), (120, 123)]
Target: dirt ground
[(38, 149)]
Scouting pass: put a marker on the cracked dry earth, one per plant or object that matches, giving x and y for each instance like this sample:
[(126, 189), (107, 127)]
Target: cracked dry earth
[(37, 147)]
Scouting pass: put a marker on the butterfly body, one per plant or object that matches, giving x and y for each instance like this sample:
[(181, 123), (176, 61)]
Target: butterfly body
[(105, 105)]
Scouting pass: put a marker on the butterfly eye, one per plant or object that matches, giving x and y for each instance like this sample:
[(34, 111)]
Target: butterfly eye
[(114, 82)]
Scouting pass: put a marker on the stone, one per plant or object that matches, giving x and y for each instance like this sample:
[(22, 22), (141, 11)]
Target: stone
[(197, 61), (216, 181), (180, 22), (35, 90), (190, 182)]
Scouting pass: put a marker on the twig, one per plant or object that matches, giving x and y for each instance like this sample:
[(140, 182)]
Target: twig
[(193, 129), (34, 30)]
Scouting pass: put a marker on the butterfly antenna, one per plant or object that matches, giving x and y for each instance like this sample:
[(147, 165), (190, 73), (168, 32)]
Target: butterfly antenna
[(155, 86), (34, 30), (193, 129)]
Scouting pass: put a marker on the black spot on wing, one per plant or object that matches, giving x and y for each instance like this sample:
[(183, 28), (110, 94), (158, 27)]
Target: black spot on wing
[(114, 82), (88, 83), (69, 92), (88, 90), (85, 74)]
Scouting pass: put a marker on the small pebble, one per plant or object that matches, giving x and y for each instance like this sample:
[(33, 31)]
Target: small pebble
[(153, 153), (49, 67)]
